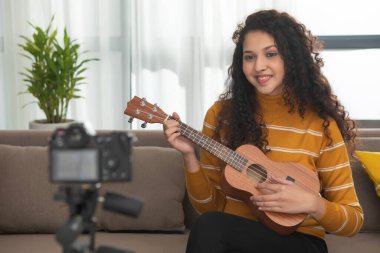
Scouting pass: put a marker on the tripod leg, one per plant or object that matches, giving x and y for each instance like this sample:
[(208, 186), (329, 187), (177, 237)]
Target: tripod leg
[(92, 236)]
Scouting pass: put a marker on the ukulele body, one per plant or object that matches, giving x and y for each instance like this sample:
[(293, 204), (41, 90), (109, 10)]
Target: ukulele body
[(242, 185)]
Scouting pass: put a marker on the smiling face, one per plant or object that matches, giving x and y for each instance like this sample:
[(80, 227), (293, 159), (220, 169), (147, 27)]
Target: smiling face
[(263, 65)]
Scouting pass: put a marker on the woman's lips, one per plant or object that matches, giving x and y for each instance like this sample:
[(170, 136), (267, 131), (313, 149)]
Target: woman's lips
[(263, 79)]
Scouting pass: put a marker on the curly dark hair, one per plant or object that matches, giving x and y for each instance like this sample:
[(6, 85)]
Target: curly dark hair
[(304, 84)]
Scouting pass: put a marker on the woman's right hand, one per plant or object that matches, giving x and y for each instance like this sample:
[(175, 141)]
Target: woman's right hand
[(173, 135)]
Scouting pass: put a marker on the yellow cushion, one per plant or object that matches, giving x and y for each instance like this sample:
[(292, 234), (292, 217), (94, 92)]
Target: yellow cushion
[(371, 164)]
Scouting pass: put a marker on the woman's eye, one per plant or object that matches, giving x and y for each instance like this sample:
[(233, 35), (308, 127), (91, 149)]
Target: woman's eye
[(248, 57), (272, 54)]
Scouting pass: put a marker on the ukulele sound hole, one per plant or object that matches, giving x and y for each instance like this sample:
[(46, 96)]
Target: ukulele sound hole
[(257, 172)]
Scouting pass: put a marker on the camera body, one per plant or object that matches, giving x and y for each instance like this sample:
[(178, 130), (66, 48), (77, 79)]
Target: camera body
[(77, 157)]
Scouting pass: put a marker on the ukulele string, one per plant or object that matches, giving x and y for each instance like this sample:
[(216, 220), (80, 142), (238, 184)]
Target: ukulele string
[(258, 174)]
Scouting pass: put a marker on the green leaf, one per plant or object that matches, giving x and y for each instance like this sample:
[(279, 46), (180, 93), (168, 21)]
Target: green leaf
[(66, 39)]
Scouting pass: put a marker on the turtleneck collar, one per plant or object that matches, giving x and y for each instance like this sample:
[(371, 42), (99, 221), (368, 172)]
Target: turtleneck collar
[(273, 109), (269, 100)]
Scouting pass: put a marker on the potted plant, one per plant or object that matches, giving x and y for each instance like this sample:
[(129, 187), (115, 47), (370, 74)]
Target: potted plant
[(55, 73)]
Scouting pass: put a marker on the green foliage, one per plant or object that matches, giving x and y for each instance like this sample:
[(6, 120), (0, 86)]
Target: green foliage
[(56, 72)]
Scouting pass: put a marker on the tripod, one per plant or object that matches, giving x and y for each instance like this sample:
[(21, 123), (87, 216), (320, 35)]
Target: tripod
[(82, 203)]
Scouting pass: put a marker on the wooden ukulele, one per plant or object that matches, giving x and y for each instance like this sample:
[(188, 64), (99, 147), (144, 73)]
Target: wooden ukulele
[(246, 166)]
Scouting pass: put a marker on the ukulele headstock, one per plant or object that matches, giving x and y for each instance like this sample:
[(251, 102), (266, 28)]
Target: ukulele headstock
[(141, 109)]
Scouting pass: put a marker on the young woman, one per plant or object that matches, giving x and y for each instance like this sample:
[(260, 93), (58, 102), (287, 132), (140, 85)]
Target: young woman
[(279, 101)]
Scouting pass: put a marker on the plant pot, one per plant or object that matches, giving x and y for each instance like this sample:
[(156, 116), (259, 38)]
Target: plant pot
[(42, 125)]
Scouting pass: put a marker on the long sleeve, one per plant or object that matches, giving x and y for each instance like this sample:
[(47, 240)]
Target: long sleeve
[(203, 187), (344, 215)]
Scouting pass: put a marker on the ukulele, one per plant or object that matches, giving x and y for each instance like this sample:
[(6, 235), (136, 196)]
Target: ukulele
[(245, 167)]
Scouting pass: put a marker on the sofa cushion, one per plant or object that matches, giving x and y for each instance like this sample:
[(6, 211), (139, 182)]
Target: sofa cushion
[(158, 180), (26, 195), (371, 163)]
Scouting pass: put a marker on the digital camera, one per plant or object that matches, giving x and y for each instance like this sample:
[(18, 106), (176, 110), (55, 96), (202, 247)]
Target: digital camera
[(75, 156)]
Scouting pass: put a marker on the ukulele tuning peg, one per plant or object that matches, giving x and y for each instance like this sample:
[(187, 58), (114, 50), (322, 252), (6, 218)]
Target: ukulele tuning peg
[(154, 109), (142, 103), (130, 120), (143, 125)]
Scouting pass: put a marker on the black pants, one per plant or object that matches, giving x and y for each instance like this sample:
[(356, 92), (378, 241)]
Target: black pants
[(217, 232)]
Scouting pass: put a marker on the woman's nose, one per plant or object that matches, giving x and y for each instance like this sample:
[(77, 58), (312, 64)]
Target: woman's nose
[(260, 64)]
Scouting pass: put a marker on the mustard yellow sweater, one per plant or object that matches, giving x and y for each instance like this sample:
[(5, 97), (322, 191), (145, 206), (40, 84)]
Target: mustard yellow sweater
[(290, 139)]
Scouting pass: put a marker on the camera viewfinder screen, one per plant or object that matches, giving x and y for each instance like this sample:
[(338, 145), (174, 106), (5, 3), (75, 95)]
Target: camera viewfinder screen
[(75, 165)]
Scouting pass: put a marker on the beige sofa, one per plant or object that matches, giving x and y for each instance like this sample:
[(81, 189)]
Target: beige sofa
[(29, 217)]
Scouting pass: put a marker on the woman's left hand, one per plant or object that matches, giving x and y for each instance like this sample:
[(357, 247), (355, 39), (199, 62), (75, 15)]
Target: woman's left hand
[(281, 195)]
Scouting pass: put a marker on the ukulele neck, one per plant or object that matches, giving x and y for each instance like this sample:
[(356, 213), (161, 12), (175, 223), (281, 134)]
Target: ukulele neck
[(227, 155)]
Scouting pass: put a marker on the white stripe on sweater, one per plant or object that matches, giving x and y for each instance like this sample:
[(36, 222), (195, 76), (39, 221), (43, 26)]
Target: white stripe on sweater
[(339, 166), (208, 125), (295, 130), (318, 227), (231, 198), (209, 167), (294, 151), (337, 145), (344, 223), (356, 225), (202, 201), (354, 204), (340, 187)]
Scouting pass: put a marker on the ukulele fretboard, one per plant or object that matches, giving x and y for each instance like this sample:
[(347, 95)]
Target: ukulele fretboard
[(222, 152)]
